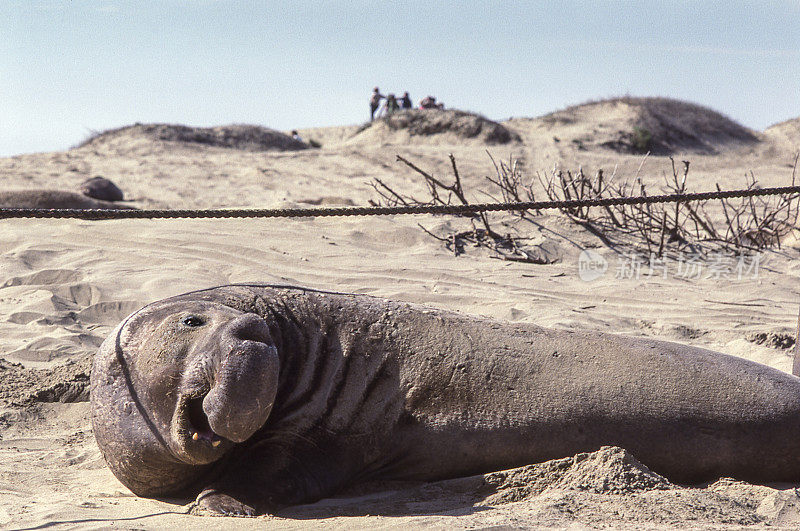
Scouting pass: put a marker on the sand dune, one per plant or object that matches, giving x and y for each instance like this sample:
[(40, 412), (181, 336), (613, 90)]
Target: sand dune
[(244, 137), (637, 125), (787, 132), (64, 284), (433, 127)]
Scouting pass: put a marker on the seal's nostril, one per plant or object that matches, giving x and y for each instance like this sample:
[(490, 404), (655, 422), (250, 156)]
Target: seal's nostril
[(250, 327)]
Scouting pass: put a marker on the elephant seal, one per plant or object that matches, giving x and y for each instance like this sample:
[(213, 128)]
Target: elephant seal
[(255, 397), (54, 199), (101, 188)]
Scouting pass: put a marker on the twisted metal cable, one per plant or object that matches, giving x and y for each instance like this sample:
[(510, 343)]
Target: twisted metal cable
[(97, 214)]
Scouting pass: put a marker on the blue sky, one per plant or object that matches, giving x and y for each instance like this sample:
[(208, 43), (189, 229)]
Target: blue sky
[(68, 67)]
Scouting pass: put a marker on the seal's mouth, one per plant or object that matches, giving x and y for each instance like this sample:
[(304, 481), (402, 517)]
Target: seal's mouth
[(194, 439), (198, 425)]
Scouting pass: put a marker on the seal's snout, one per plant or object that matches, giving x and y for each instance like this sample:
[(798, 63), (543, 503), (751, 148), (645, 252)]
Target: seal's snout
[(245, 379), (247, 327)]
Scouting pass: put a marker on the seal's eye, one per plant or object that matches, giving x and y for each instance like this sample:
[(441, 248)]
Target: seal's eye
[(193, 321)]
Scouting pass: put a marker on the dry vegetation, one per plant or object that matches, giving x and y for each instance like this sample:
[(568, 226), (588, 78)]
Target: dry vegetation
[(482, 233), (738, 227), (749, 224)]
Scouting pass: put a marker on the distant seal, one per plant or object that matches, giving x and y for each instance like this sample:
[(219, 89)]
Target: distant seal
[(256, 397), (53, 199), (101, 188)]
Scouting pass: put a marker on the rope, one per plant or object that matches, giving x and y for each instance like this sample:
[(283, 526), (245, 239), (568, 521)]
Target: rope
[(96, 214)]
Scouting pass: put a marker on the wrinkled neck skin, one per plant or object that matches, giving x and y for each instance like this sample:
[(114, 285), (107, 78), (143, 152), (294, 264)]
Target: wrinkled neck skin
[(337, 401)]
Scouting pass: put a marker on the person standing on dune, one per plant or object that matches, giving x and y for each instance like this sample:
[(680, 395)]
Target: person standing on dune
[(392, 105), (375, 102)]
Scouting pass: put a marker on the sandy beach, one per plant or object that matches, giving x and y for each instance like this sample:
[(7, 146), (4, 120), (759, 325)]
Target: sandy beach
[(65, 283)]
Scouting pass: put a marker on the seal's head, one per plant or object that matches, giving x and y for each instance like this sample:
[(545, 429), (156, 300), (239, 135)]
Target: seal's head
[(175, 386)]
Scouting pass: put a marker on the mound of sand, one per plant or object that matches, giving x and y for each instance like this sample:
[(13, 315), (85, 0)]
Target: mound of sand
[(610, 470), (637, 125), (435, 125), (63, 383), (241, 137)]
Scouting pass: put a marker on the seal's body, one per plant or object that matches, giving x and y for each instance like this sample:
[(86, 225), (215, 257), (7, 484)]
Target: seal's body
[(54, 199), (101, 188), (259, 396)]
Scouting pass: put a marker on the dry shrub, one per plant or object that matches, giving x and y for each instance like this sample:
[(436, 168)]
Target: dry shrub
[(738, 227), (482, 233), (746, 225)]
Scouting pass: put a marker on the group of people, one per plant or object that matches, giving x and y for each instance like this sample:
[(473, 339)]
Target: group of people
[(393, 104)]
